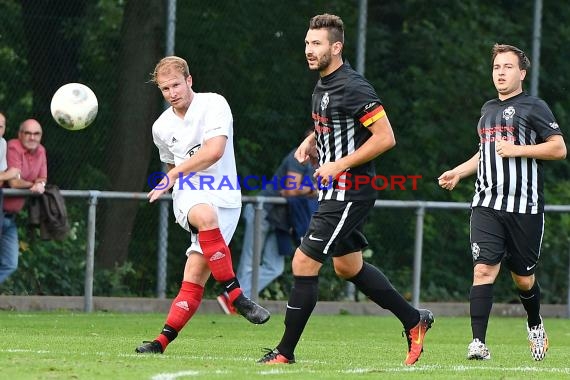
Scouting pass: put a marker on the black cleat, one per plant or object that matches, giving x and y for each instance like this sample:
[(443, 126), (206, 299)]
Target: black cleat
[(275, 357), (250, 310), (148, 347)]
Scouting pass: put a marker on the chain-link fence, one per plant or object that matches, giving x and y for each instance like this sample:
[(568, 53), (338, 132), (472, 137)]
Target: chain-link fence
[(112, 46), (252, 53)]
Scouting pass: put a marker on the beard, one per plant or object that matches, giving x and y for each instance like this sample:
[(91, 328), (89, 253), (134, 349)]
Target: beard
[(323, 62)]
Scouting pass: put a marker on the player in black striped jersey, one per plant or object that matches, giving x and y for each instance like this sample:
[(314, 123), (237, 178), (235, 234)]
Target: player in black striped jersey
[(517, 132), (351, 129)]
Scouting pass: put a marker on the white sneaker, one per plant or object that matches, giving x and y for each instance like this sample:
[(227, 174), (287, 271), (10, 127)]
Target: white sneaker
[(478, 351), (538, 341)]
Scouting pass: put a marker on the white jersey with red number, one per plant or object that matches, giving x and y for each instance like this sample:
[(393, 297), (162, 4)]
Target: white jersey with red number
[(208, 116)]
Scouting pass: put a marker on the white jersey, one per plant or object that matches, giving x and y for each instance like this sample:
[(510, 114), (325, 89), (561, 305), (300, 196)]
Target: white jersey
[(208, 116)]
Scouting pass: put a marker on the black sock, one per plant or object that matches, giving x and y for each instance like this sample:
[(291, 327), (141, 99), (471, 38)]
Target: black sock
[(530, 300), (374, 284), (231, 284), (480, 304), (302, 301), (169, 332)]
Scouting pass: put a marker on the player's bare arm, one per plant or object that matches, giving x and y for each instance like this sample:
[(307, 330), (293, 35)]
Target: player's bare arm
[(307, 150), (553, 148), (210, 152), (449, 179), (382, 139)]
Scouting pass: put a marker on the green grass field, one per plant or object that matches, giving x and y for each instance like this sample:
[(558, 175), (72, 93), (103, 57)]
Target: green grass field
[(68, 345)]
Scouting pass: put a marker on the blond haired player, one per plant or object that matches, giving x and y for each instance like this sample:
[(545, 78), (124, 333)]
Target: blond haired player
[(194, 137)]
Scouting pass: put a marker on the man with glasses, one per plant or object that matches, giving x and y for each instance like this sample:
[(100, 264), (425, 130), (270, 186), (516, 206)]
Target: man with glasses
[(28, 155)]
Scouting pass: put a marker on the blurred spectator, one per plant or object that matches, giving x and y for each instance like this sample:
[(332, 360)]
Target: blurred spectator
[(282, 226), (27, 155), (5, 173)]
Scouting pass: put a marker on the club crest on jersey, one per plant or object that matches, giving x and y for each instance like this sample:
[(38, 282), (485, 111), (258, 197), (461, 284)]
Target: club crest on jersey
[(509, 112), (554, 125), (475, 250), (325, 101), (193, 150)]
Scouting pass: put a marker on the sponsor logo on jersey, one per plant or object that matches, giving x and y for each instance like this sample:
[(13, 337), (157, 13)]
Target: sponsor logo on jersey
[(369, 105)]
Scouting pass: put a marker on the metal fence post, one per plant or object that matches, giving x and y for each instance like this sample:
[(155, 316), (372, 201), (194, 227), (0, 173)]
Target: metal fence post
[(420, 207), (90, 254), (568, 299), (162, 249), (418, 246), (257, 246)]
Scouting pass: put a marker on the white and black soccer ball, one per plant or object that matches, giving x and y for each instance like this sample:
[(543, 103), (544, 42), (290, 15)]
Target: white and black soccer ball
[(74, 106)]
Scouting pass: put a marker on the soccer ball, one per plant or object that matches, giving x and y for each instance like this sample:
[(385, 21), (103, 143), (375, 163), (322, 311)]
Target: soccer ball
[(74, 106)]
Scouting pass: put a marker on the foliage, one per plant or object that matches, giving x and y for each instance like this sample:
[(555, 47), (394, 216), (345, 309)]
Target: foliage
[(49, 267), (113, 282), (429, 64)]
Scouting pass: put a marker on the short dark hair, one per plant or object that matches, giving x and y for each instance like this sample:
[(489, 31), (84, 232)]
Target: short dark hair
[(332, 23), (524, 62)]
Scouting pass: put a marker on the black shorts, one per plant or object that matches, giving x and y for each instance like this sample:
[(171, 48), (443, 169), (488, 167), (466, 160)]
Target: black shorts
[(512, 237), (336, 229)]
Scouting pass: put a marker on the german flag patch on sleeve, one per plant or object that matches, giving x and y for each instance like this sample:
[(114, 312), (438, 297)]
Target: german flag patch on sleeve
[(370, 113)]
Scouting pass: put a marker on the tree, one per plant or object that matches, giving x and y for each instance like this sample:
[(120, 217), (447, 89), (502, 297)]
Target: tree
[(136, 107)]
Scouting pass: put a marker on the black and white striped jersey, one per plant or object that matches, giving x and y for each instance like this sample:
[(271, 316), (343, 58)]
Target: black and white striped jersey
[(344, 104), (514, 184)]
